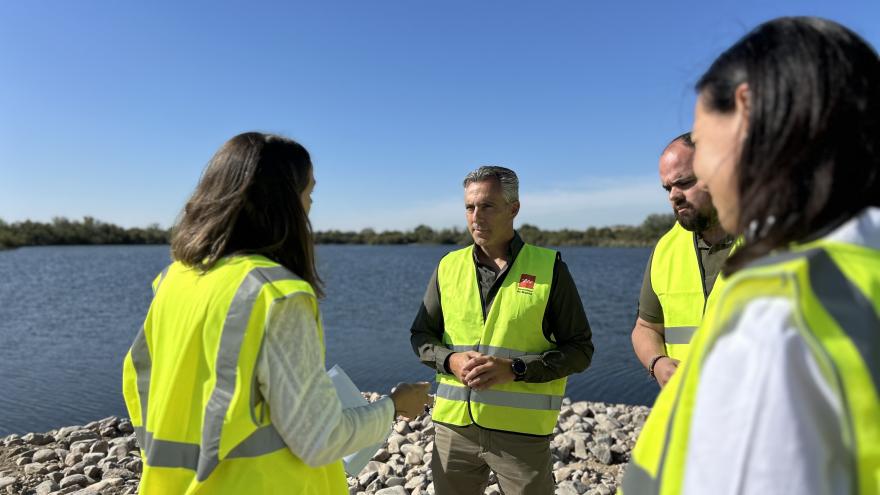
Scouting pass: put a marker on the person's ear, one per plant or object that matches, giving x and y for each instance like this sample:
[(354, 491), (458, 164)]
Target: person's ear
[(514, 208), (743, 98)]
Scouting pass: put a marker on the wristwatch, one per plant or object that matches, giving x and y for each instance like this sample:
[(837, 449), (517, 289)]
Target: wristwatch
[(519, 368)]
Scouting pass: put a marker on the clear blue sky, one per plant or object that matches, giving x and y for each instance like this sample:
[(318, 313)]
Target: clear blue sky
[(111, 109)]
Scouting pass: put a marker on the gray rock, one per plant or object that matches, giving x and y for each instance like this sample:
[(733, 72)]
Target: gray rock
[(607, 422), (46, 487), (74, 479), (402, 427), (80, 447), (38, 439), (395, 441), (602, 453), (416, 481), (580, 408), (67, 430), (564, 472), (93, 472), (366, 476), (603, 490), (125, 426), (76, 468), (100, 486), (72, 459), (92, 459), (34, 468), (373, 486), (124, 474), (21, 461), (118, 452), (108, 421), (99, 447), (109, 431), (135, 466), (81, 435), (395, 481), (413, 459), (16, 451), (7, 481), (566, 488), (604, 439), (55, 476), (581, 487), (382, 455), (45, 455), (394, 490)]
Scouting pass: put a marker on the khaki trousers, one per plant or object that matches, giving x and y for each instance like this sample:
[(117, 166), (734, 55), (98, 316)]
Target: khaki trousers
[(463, 456)]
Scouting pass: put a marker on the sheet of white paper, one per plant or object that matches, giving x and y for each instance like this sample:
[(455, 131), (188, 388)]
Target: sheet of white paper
[(350, 396)]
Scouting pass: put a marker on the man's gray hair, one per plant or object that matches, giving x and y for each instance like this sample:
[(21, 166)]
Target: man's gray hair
[(506, 177)]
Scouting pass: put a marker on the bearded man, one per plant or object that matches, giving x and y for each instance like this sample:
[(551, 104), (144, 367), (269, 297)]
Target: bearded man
[(683, 268)]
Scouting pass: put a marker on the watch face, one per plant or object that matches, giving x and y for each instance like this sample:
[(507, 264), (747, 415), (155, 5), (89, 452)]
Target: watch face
[(519, 366)]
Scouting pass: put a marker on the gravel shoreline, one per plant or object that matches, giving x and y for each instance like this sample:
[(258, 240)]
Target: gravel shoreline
[(590, 447)]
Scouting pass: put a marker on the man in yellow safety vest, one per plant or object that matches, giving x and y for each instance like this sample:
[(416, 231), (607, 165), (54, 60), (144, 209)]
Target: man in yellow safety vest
[(683, 267), (503, 325)]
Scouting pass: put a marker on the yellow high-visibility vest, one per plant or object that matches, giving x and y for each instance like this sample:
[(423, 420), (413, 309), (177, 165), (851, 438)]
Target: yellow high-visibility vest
[(678, 281), (191, 390), (512, 328), (835, 290)]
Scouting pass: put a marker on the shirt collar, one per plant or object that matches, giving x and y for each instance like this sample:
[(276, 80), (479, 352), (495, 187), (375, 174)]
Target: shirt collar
[(863, 229), (513, 249)]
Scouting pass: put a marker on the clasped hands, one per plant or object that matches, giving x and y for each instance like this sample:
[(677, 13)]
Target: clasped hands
[(479, 371)]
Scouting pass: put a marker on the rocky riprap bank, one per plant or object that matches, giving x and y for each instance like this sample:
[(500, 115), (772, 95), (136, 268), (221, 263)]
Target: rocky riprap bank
[(590, 448)]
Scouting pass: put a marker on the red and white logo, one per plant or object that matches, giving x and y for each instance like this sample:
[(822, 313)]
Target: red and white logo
[(526, 281)]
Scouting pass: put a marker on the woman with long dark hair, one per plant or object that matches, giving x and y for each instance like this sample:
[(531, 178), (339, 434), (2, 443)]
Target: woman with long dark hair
[(780, 394), (225, 383)]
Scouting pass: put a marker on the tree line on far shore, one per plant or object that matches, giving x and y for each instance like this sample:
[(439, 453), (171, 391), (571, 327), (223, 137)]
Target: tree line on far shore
[(62, 231)]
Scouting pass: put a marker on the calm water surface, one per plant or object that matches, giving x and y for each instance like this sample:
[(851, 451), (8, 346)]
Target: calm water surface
[(69, 314)]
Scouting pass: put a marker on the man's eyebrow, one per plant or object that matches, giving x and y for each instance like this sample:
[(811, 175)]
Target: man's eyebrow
[(681, 180)]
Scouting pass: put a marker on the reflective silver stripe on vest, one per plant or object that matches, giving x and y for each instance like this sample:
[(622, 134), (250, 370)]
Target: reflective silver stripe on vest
[(679, 335), (231, 339), (143, 365), (844, 301), (161, 278), (848, 305), (519, 400), (637, 480), (164, 453), (492, 350)]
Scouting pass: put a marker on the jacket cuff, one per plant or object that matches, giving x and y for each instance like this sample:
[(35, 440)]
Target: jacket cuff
[(441, 362), (534, 367)]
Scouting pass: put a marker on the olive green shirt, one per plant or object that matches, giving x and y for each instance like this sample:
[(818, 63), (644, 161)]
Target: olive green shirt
[(712, 259), (565, 322)]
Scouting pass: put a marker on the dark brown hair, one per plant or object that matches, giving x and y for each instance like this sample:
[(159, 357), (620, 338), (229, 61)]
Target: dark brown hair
[(248, 202), (811, 156)]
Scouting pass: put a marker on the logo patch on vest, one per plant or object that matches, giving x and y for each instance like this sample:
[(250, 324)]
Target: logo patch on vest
[(526, 284)]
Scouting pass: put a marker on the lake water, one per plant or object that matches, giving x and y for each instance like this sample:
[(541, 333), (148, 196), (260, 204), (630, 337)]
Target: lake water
[(68, 315)]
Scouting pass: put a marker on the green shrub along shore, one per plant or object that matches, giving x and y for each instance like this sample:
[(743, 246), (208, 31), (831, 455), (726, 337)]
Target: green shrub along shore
[(62, 231)]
